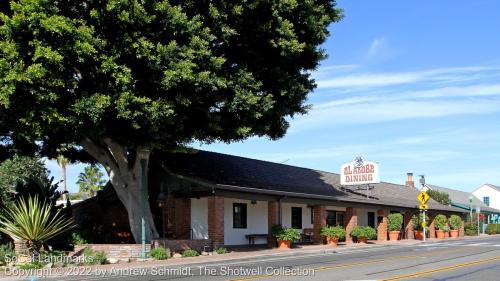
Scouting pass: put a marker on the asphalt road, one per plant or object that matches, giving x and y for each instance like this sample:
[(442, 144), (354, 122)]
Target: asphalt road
[(477, 259)]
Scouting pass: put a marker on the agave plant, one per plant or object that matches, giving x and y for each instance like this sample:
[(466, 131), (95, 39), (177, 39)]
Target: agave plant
[(33, 222)]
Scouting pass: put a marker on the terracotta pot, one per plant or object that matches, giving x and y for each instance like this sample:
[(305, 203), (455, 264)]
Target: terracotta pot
[(332, 241), (440, 234), (284, 244), (362, 239), (394, 235), (454, 233), (419, 234)]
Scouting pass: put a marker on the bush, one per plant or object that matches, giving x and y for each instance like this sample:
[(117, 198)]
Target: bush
[(441, 222), (78, 239), (470, 229), (287, 234), (160, 253), (455, 222), (418, 219), (6, 253), (189, 253), (31, 265), (94, 257), (493, 228), (395, 222), (364, 231), (337, 232), (221, 250)]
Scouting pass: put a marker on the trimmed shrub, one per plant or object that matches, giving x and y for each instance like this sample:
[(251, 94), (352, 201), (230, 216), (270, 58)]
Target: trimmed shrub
[(287, 234), (470, 229), (455, 222), (94, 257), (189, 253), (418, 219), (337, 232), (493, 228), (221, 250), (160, 253), (395, 222), (441, 222), (364, 231)]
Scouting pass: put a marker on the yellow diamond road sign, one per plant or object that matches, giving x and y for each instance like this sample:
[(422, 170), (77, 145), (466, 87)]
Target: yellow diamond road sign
[(423, 206), (423, 197), (424, 225)]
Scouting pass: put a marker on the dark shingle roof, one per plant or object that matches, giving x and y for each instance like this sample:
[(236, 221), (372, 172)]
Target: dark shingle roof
[(228, 170), (462, 198)]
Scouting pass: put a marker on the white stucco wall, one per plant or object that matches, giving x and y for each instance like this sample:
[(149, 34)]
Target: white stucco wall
[(256, 222), (199, 218), (486, 191), (363, 216), (286, 215)]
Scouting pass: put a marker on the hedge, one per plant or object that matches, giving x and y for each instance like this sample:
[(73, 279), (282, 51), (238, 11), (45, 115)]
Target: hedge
[(493, 228)]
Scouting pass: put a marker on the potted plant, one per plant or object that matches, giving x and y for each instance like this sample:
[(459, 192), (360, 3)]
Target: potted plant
[(418, 220), (333, 234), (395, 223), (285, 236), (440, 221), (363, 233), (455, 224)]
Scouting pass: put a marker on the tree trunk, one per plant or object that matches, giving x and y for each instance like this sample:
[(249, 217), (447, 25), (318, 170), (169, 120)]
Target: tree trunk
[(127, 179)]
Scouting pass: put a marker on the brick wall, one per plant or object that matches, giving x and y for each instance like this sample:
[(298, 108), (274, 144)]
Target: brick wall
[(408, 226), (179, 245), (272, 219), (382, 226), (182, 213), (351, 215), (461, 231), (216, 220), (118, 251), (319, 213), (432, 227)]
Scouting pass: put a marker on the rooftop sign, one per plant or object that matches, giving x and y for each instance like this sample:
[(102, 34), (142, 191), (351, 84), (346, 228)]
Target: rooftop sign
[(359, 172)]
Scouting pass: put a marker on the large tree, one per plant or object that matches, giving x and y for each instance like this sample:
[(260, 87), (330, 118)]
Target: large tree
[(120, 78)]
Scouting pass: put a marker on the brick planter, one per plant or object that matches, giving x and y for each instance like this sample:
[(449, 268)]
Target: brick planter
[(117, 251)]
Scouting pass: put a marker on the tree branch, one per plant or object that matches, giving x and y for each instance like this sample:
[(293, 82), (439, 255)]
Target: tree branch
[(119, 154), (102, 155)]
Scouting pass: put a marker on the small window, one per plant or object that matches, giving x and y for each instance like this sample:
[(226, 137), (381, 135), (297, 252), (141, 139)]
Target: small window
[(239, 215), (340, 219), (486, 200), (331, 218), (297, 217), (371, 219)]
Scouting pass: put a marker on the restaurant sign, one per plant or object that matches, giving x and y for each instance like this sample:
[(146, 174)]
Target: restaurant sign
[(359, 172)]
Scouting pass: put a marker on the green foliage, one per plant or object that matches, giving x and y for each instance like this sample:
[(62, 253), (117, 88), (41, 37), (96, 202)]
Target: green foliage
[(6, 252), (333, 231), (78, 239), (493, 228), (440, 221), (94, 257), (189, 253), (439, 196), (364, 231), (470, 229), (31, 265), (287, 234), (33, 222), (160, 253), (455, 222), (221, 250), (418, 219), (91, 180), (395, 222)]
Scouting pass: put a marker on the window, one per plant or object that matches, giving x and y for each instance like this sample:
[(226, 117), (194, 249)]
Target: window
[(340, 218), (239, 215), (371, 219), (297, 217), (331, 218), (486, 200)]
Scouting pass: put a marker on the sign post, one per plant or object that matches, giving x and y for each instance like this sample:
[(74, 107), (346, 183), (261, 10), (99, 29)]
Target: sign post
[(423, 197), (478, 211)]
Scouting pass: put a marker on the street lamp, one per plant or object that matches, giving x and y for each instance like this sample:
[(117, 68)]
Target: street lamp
[(143, 156)]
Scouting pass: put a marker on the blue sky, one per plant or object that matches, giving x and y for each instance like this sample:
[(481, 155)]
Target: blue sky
[(413, 85)]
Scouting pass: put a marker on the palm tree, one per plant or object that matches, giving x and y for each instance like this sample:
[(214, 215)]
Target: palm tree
[(33, 222), (63, 162), (91, 180)]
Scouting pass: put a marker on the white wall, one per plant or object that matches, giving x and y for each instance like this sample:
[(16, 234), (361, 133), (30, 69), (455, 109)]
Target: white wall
[(256, 222), (363, 216), (199, 218), (485, 191), (286, 215)]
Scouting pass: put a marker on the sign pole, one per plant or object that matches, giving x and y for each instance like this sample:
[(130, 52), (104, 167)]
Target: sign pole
[(425, 234)]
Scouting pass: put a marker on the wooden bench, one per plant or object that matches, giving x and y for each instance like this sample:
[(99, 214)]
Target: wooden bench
[(251, 238)]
